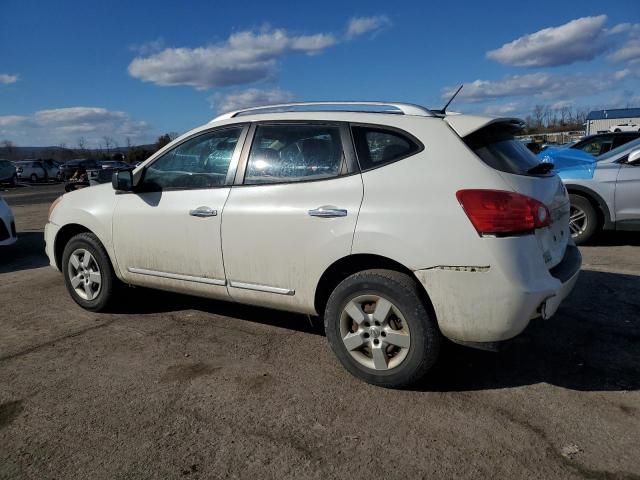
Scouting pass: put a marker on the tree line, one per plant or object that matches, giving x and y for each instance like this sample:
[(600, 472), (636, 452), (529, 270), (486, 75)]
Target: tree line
[(108, 148)]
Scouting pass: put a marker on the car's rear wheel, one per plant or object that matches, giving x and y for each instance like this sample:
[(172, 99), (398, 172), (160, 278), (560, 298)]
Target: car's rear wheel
[(583, 219), (88, 274), (34, 178), (379, 328), (14, 180)]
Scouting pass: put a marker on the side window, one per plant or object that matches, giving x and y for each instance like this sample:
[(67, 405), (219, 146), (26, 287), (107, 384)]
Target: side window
[(201, 162), (378, 146), (294, 153)]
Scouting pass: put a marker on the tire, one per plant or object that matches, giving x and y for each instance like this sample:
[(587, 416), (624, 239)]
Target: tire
[(398, 367), (583, 221), (98, 297), (617, 130), (14, 180), (33, 178)]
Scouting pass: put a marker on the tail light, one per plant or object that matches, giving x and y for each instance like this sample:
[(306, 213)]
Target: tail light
[(498, 212)]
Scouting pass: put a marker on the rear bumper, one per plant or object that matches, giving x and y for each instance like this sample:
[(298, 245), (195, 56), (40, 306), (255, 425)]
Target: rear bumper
[(492, 304)]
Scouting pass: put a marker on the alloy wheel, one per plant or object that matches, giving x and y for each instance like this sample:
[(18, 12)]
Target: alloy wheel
[(374, 332), (578, 221), (84, 274)]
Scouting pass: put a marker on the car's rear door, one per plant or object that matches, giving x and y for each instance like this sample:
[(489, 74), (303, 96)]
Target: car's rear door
[(166, 234), (291, 214)]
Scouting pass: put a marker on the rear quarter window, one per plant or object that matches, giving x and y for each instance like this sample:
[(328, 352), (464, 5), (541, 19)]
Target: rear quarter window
[(379, 146), (497, 147)]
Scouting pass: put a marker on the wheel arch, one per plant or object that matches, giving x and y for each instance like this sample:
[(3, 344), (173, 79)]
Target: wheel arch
[(597, 201), (346, 266)]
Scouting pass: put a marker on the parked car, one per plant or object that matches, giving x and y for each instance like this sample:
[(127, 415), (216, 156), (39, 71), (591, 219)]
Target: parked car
[(604, 190), (593, 144), (397, 229), (625, 127), (31, 170), (7, 225), (8, 172), (76, 167), (115, 164)]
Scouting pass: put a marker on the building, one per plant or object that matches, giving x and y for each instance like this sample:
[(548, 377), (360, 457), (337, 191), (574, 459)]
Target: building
[(602, 120)]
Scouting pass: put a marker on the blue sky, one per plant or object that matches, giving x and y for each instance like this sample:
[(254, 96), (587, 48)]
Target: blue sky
[(72, 69)]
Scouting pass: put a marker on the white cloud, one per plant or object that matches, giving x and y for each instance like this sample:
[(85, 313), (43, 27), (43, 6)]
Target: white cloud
[(580, 39), (66, 125), (543, 86), (6, 79), (251, 97), (361, 25), (245, 57), (629, 52), (147, 48), (502, 109)]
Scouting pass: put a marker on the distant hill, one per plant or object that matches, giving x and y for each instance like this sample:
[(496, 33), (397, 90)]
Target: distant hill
[(60, 152)]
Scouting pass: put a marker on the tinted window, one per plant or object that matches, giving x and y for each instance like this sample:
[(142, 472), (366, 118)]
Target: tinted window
[(200, 162), (500, 150), (293, 153), (622, 139), (376, 147)]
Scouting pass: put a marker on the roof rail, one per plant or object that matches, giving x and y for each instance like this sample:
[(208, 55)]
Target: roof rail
[(401, 108)]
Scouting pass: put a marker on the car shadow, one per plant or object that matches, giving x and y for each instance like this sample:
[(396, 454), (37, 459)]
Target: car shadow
[(25, 254), (591, 344), (615, 239), (147, 301)]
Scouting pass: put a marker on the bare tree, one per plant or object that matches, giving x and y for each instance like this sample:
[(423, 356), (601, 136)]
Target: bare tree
[(108, 142), (82, 143), (539, 112), (8, 149)]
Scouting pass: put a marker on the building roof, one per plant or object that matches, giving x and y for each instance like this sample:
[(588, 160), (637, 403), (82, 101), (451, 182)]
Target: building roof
[(614, 113)]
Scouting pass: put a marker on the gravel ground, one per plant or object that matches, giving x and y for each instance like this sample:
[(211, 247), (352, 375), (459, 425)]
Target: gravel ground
[(178, 387)]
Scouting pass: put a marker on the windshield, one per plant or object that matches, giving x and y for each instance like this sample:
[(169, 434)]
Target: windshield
[(621, 150)]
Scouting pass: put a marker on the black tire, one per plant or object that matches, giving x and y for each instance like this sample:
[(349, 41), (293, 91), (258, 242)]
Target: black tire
[(402, 291), (14, 180), (617, 130), (109, 282), (33, 178), (580, 203)]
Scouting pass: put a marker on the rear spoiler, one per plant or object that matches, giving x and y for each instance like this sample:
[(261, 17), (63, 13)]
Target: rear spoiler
[(465, 125)]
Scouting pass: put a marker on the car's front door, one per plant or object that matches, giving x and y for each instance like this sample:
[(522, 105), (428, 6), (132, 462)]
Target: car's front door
[(167, 232), (293, 215), (627, 197)]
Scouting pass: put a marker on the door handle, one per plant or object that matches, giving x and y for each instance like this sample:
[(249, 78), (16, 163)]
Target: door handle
[(203, 212), (328, 212)]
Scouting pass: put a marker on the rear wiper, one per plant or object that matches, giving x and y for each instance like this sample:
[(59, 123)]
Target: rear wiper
[(541, 168)]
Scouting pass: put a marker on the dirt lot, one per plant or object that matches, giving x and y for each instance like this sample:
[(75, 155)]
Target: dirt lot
[(178, 387)]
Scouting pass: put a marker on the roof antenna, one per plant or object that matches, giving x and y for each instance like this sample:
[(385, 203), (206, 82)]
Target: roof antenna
[(444, 109)]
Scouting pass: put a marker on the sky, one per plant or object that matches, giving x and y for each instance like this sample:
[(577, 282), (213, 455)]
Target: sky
[(74, 71)]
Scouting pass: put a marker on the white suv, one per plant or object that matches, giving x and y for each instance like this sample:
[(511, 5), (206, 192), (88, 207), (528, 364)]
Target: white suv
[(398, 226)]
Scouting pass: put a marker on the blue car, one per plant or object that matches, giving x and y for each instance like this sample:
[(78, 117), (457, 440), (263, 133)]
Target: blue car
[(604, 190)]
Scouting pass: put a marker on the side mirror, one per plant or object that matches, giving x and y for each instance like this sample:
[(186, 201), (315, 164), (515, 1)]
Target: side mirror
[(122, 181), (634, 157)]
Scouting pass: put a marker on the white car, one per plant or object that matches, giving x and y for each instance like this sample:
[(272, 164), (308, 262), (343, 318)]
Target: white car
[(398, 227), (625, 127), (36, 170), (8, 234)]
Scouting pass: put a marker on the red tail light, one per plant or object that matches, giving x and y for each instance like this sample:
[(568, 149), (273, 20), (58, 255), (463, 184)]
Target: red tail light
[(499, 212)]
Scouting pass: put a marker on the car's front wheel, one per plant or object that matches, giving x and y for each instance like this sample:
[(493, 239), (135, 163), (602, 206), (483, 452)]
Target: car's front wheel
[(34, 178), (88, 274), (379, 328)]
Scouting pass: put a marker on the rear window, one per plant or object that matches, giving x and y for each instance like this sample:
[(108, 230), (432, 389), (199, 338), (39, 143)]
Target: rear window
[(497, 147)]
